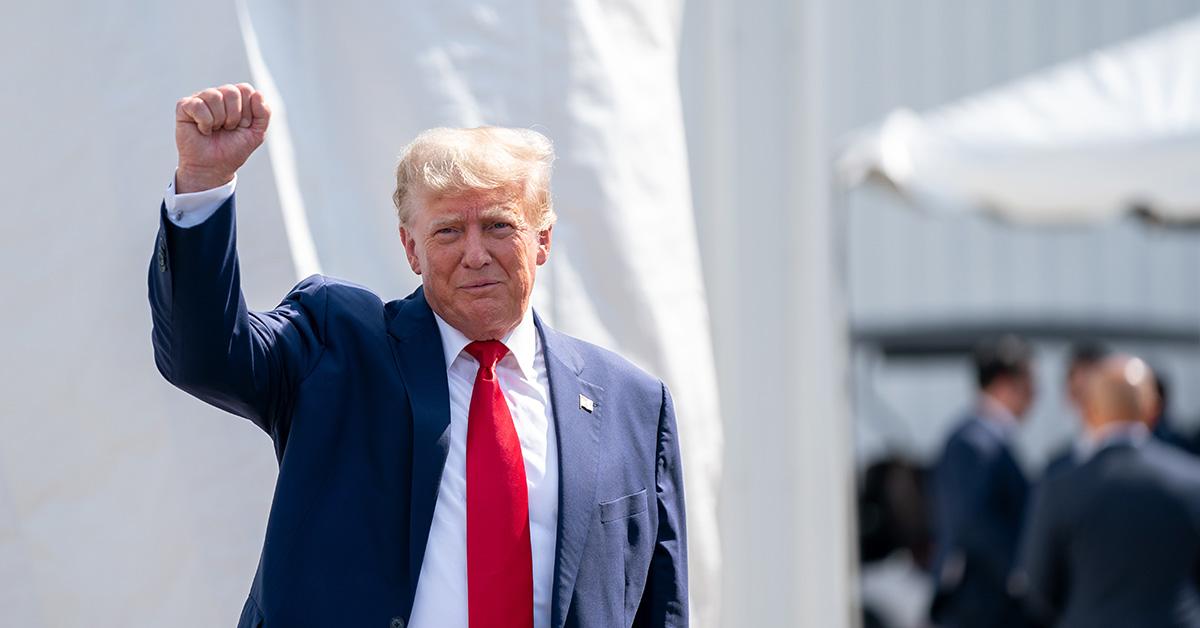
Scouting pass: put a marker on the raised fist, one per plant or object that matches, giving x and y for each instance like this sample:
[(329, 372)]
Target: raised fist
[(215, 132)]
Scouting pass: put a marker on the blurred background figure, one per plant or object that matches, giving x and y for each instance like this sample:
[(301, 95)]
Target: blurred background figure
[(1162, 424), (893, 511), (980, 493), (1115, 539), (893, 520), (1085, 358)]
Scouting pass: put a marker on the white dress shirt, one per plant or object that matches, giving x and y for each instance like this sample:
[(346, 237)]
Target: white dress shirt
[(442, 590), (441, 597), (193, 208)]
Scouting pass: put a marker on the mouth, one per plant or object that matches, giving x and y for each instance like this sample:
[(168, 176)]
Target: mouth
[(479, 286)]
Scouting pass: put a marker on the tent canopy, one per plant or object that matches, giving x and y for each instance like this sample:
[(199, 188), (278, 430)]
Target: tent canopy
[(1113, 131)]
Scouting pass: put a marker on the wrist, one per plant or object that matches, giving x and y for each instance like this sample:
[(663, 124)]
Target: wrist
[(192, 179)]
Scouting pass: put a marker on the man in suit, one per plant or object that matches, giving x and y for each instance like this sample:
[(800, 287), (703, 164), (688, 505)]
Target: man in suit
[(444, 459), (979, 495), (1115, 541), (1086, 359)]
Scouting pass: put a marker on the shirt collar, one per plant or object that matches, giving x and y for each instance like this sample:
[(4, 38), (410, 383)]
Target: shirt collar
[(522, 342), (1132, 432)]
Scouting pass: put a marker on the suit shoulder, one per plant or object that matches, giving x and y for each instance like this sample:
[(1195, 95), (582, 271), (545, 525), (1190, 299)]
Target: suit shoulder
[(613, 369), (972, 444), (972, 435), (1173, 462), (336, 289), (330, 298)]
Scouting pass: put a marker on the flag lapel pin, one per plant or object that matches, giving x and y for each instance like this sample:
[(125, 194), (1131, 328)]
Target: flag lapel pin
[(586, 404)]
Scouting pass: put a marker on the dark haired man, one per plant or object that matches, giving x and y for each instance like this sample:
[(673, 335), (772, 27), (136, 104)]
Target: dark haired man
[(979, 495)]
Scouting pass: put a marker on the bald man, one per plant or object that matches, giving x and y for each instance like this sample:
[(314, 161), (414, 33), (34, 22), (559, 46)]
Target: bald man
[(1115, 541)]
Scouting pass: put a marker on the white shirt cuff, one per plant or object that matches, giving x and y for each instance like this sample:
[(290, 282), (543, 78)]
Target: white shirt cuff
[(193, 208)]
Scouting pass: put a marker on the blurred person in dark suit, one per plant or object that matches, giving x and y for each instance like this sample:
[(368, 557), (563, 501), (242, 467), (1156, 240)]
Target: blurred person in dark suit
[(1115, 540), (1085, 358), (1163, 427), (979, 495)]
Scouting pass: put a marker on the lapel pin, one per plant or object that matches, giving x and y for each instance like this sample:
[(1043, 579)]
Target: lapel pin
[(586, 404)]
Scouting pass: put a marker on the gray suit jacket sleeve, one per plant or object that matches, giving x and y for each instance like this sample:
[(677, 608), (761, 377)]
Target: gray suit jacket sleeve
[(665, 599)]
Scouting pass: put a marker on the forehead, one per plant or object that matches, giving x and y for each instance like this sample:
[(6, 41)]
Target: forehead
[(466, 204)]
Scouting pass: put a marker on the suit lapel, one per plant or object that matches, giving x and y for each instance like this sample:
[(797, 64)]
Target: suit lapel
[(422, 366), (578, 433)]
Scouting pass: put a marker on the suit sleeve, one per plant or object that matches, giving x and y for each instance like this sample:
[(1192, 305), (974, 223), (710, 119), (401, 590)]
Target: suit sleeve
[(1040, 571), (209, 344), (665, 599)]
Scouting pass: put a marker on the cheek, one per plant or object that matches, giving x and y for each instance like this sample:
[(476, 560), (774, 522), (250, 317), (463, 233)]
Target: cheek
[(440, 260), (526, 252), (523, 265)]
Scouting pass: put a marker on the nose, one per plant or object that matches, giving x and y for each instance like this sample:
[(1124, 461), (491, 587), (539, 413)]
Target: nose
[(475, 254)]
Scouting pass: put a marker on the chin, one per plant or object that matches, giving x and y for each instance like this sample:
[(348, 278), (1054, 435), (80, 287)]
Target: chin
[(489, 318)]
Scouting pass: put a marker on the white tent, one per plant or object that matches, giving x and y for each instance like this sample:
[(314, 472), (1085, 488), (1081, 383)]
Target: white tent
[(126, 503), (1115, 130)]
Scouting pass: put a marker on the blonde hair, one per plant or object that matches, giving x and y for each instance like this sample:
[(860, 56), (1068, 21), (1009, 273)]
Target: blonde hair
[(447, 161)]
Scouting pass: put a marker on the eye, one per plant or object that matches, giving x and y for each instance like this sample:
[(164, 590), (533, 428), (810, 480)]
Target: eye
[(446, 231)]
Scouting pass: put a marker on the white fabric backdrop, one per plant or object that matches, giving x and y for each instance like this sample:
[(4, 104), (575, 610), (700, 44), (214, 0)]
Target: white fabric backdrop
[(1116, 129), (124, 502)]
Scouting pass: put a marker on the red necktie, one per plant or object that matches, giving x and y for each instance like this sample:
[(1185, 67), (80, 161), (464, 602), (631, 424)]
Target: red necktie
[(499, 558)]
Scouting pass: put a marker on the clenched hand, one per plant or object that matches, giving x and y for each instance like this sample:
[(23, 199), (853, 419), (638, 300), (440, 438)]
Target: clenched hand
[(215, 131)]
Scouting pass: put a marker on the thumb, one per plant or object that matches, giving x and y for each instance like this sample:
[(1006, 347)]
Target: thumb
[(260, 112)]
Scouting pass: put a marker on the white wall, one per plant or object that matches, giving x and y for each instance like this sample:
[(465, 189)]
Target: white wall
[(754, 76), (119, 497)]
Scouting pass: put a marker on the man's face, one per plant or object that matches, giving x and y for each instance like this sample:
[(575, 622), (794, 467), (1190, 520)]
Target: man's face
[(1077, 376), (1024, 391), (477, 254)]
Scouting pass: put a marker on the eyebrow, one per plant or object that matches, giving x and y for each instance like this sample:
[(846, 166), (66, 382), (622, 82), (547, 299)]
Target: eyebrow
[(506, 211), (440, 223)]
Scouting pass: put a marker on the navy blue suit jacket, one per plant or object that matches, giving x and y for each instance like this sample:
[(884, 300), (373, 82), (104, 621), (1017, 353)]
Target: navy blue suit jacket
[(979, 498), (1115, 541), (353, 393)]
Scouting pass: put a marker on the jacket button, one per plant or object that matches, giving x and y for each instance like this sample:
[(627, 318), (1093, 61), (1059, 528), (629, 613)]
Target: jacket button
[(397, 622)]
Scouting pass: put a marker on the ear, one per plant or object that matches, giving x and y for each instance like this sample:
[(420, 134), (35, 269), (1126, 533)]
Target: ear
[(410, 249), (543, 241)]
